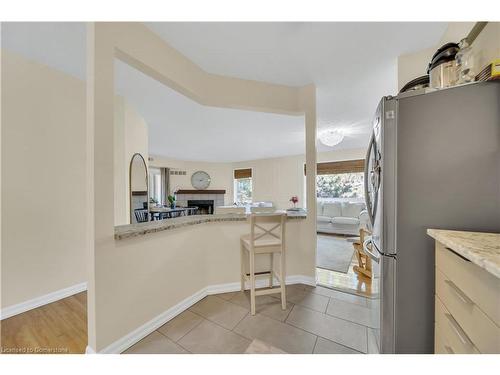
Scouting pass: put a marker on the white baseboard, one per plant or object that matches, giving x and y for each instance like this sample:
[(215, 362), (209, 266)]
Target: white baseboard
[(42, 300), (89, 350), (301, 279), (138, 334)]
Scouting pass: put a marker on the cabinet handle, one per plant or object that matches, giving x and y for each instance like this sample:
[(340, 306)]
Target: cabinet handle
[(459, 331), (459, 292), (449, 350)]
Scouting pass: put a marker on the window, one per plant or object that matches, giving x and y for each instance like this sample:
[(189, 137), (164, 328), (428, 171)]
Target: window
[(243, 186), (342, 185), (340, 180), (159, 179), (155, 184)]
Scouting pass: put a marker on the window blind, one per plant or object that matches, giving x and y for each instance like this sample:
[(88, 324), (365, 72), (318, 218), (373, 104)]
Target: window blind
[(336, 167), (243, 173)]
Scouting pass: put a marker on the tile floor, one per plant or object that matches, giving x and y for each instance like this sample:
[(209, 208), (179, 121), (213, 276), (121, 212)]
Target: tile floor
[(317, 320)]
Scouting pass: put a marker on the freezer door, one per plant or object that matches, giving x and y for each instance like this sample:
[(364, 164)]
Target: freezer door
[(382, 304)]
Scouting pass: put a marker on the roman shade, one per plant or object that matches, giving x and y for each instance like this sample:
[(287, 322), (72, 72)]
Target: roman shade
[(243, 173), (336, 167)]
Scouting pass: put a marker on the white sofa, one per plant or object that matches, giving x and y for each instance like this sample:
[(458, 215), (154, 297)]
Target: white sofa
[(341, 217)]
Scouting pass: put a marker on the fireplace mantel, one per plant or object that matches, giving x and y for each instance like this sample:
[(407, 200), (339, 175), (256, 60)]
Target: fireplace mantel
[(187, 191)]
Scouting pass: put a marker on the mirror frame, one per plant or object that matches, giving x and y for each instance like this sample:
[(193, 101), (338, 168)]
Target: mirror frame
[(131, 211)]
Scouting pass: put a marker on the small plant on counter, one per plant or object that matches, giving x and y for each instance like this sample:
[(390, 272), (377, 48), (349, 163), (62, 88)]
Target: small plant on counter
[(294, 200), (171, 200)]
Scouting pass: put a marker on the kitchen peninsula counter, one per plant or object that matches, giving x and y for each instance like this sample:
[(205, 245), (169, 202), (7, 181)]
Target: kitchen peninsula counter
[(482, 249), (139, 229)]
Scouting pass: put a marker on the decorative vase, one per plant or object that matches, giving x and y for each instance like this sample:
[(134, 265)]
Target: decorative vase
[(172, 205)]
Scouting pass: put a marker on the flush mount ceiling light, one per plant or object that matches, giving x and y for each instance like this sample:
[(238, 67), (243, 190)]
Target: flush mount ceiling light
[(331, 137)]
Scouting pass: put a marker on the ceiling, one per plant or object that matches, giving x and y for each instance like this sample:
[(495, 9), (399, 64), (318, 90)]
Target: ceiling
[(181, 128), (352, 64)]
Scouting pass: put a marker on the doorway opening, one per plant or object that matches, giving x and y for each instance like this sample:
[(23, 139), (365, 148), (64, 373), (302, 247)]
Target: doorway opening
[(341, 215)]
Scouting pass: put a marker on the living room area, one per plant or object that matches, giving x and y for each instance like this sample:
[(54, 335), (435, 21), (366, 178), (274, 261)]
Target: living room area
[(342, 224)]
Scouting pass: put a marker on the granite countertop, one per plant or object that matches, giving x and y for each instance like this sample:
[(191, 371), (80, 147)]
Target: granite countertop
[(134, 230), (482, 249)]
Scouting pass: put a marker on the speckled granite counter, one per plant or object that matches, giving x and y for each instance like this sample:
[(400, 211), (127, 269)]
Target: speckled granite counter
[(134, 230), (482, 249)]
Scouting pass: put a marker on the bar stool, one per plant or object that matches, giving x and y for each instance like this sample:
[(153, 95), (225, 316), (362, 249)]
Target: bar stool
[(267, 237)]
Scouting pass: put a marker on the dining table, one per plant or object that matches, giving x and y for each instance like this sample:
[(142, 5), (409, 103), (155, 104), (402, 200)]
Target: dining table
[(162, 212)]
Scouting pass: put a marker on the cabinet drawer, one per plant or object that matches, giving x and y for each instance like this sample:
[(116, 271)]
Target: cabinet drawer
[(479, 285), (482, 331), (440, 346), (451, 333)]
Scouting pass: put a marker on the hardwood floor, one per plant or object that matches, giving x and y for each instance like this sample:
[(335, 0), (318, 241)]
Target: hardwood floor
[(349, 282), (57, 328)]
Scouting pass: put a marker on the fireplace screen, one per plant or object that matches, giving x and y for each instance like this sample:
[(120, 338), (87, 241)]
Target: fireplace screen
[(205, 207)]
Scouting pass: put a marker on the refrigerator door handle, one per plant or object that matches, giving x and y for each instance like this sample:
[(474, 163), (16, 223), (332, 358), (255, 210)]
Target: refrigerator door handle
[(369, 204), (374, 255)]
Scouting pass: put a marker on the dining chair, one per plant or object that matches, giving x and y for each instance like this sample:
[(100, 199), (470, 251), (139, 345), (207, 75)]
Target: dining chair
[(141, 215), (266, 237)]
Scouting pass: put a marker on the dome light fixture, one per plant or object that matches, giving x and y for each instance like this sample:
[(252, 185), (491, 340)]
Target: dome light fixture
[(331, 137)]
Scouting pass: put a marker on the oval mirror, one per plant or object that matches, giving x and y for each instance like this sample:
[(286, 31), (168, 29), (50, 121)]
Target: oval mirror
[(138, 182)]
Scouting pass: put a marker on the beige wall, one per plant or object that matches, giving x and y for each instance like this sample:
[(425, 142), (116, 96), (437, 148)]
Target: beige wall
[(131, 136), (486, 47), (277, 179), (43, 180), (220, 174), (413, 65)]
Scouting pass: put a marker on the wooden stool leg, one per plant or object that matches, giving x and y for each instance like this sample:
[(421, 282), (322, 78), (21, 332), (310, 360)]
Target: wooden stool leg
[(252, 283), (242, 266), (282, 281), (271, 274)]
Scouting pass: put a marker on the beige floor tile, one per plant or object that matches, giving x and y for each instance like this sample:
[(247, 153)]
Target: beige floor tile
[(324, 346), (261, 347), (373, 302), (209, 338), (180, 325), (280, 335), (352, 312), (265, 305), (306, 299), (227, 296), (347, 297), (338, 330), (295, 287), (373, 341), (219, 311), (155, 343)]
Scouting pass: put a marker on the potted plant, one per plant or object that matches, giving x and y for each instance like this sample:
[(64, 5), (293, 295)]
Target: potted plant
[(171, 200), (294, 200)]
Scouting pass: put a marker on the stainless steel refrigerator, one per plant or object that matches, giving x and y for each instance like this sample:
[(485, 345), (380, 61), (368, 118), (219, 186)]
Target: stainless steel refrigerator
[(433, 162)]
